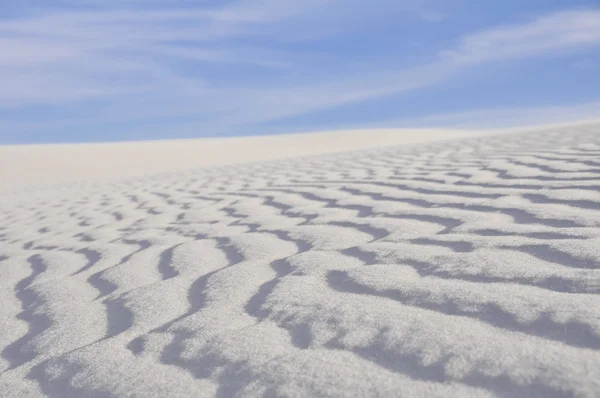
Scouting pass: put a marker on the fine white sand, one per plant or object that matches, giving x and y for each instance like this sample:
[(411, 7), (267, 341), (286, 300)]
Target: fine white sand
[(26, 164), (463, 267)]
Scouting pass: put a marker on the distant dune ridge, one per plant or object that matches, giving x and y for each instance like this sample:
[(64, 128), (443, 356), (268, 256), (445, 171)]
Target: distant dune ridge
[(26, 164), (446, 264)]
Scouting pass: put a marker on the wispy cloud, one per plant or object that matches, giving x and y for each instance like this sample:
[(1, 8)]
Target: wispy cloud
[(552, 33), (71, 55), (244, 62), (506, 117)]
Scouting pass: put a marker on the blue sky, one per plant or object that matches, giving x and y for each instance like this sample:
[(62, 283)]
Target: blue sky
[(91, 70)]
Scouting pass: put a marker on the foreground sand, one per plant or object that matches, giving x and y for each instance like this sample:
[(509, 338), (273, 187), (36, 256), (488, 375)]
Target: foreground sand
[(462, 268)]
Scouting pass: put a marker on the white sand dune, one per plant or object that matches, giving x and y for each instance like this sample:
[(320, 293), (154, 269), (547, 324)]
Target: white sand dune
[(468, 267), (27, 164)]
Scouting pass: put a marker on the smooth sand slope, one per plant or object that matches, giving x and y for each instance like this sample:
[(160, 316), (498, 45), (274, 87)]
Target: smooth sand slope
[(26, 164), (461, 268)]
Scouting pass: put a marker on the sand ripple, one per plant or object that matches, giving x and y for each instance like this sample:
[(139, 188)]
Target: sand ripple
[(463, 268)]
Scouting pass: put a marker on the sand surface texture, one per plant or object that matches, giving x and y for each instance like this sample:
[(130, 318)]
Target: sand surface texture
[(465, 268), (41, 164)]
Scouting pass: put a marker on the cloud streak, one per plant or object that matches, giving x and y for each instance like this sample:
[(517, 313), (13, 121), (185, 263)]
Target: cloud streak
[(561, 31), (167, 63), (508, 117)]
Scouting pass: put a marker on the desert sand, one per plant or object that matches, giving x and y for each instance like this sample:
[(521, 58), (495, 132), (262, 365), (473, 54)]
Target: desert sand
[(35, 164), (394, 263)]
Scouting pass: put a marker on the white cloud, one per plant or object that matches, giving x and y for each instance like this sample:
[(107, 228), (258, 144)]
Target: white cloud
[(506, 117), (130, 59), (72, 56), (561, 31)]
